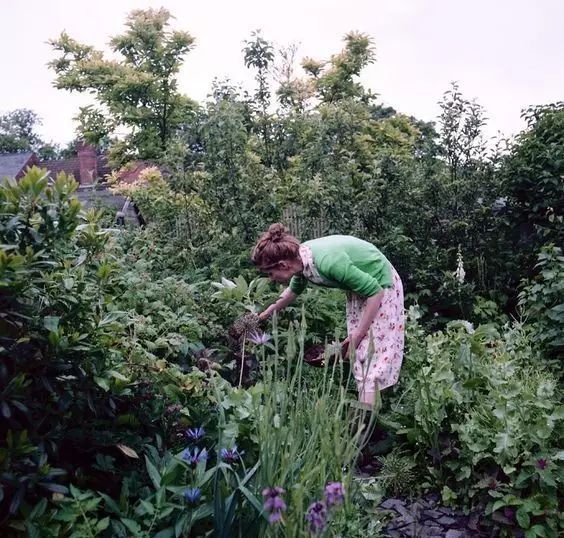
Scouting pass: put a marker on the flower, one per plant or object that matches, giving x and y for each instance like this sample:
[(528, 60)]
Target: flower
[(509, 513), (542, 464), (273, 503), (195, 434), (460, 273), (259, 338), (317, 517), (334, 494), (193, 458), (231, 455), (192, 495), (175, 408)]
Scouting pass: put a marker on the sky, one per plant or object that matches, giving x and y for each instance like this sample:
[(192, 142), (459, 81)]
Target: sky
[(508, 54)]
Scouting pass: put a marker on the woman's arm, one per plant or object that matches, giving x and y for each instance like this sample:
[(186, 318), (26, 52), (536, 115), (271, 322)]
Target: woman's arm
[(287, 297), (370, 310)]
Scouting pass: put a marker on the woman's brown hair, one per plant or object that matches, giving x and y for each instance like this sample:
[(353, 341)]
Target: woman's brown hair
[(275, 245)]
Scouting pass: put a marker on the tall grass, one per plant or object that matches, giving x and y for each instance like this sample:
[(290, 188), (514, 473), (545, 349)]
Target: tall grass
[(309, 430)]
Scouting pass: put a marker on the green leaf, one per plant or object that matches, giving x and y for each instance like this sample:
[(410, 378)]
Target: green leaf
[(111, 505), (51, 323), (102, 383), (538, 530), (254, 501), (103, 524), (153, 473), (132, 525), (180, 526), (149, 508), (523, 518)]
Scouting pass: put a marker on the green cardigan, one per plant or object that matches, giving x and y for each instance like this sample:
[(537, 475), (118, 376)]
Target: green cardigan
[(347, 263)]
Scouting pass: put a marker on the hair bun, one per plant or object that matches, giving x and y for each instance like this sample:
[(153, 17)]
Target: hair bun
[(276, 231)]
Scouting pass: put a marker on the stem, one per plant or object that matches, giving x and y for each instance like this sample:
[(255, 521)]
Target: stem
[(242, 360)]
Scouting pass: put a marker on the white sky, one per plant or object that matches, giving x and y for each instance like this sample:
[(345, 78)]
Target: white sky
[(506, 53)]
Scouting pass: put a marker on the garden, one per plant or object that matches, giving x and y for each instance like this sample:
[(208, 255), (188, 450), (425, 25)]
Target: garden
[(139, 399)]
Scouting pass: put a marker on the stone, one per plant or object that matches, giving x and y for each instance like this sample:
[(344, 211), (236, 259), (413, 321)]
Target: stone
[(452, 533), (407, 515), (416, 508), (432, 499), (392, 504), (431, 531), (399, 523), (433, 514), (446, 521), (474, 522), (447, 511)]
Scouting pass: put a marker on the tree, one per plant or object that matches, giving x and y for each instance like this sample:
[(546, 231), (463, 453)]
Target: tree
[(532, 178), (18, 131), (335, 80), (461, 123), (259, 54), (139, 92)]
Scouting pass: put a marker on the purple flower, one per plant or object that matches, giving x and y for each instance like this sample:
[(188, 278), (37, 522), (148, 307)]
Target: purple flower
[(195, 434), (317, 517), (274, 504), (193, 458), (259, 338), (173, 408), (231, 455), (509, 513), (334, 494), (542, 464), (192, 495)]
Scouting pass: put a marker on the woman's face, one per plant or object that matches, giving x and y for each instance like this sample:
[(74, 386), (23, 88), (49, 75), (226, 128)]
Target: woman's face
[(281, 272)]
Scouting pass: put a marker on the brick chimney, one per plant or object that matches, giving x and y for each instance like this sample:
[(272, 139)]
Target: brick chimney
[(87, 162)]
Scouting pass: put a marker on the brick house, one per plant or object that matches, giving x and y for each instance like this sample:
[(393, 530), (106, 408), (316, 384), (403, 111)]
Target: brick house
[(14, 165), (88, 168)]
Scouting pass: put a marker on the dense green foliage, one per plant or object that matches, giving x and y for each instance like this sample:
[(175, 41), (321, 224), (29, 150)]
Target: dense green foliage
[(114, 344)]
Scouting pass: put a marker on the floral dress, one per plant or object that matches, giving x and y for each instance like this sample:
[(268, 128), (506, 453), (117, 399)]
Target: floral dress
[(379, 355)]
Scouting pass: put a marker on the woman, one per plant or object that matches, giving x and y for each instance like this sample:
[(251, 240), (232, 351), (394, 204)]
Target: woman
[(375, 316)]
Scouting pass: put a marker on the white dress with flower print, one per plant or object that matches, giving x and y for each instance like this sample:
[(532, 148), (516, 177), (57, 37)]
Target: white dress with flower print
[(380, 354)]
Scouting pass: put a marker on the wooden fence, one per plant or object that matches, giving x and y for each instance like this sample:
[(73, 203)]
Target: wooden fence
[(303, 228)]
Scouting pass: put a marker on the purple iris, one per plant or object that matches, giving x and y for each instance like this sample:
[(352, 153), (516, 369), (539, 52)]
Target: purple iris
[(231, 455), (334, 494), (274, 504), (317, 517), (192, 495)]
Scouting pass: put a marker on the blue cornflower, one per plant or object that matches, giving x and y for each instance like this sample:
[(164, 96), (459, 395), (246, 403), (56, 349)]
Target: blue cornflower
[(195, 434), (195, 457), (231, 455), (192, 495)]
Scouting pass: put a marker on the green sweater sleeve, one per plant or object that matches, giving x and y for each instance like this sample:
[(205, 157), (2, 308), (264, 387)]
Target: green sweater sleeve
[(339, 268), (298, 284)]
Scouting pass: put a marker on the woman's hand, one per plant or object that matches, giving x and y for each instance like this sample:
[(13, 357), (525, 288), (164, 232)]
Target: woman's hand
[(287, 297), (350, 343), (265, 314)]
